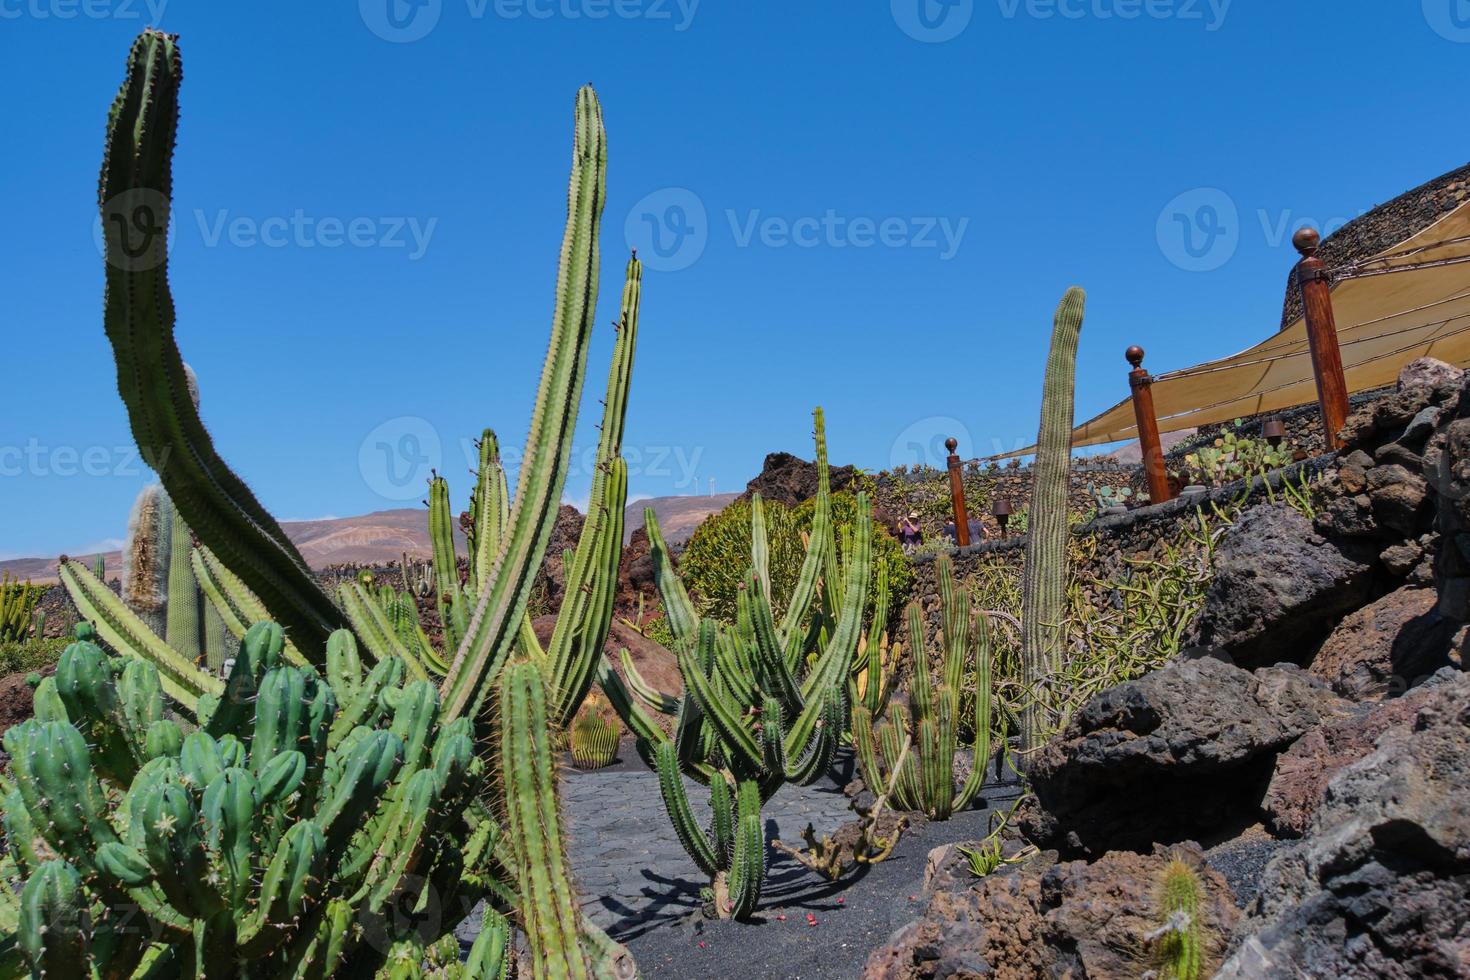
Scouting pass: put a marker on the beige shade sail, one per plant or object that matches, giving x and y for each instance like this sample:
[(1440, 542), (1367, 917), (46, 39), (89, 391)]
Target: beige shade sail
[(1409, 301)]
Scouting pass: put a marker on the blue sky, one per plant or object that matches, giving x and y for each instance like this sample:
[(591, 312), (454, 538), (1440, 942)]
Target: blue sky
[(845, 204)]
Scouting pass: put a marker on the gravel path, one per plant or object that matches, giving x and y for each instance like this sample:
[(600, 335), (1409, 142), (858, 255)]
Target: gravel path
[(633, 874)]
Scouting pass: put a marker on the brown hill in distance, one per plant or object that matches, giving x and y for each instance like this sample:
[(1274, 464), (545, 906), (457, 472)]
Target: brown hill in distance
[(383, 536)]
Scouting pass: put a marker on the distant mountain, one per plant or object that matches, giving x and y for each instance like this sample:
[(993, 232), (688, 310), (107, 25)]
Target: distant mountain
[(382, 537), (677, 516), (371, 539)]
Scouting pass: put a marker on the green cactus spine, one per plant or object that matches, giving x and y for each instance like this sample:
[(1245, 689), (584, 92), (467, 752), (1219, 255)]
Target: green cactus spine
[(1179, 941), (1044, 579)]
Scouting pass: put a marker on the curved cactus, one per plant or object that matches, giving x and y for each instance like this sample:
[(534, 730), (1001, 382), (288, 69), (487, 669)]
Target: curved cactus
[(925, 776), (1044, 578)]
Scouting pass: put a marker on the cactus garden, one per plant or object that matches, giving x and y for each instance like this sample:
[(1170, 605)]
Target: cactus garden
[(966, 698)]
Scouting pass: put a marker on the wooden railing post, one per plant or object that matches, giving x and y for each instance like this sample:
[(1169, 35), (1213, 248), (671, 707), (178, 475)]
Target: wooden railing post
[(1312, 277), (957, 492), (1142, 384)]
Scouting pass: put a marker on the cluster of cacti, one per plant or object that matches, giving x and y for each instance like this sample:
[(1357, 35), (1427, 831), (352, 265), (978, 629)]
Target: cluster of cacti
[(913, 749), (99, 567), (245, 562), (1044, 577), (1107, 497), (1179, 940), (276, 838), (766, 702), (17, 609), (1232, 456), (593, 739)]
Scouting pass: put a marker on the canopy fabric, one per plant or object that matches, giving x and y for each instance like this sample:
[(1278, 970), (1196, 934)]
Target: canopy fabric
[(1383, 322)]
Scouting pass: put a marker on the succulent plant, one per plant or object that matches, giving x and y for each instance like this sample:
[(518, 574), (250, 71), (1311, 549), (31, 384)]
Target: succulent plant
[(925, 734), (1179, 940), (17, 609), (1106, 497), (594, 739), (765, 702), (338, 791), (384, 715), (1043, 580)]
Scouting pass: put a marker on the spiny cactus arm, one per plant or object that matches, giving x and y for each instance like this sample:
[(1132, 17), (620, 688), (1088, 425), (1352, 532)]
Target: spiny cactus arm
[(1044, 577), (866, 750), (489, 957), (122, 630), (644, 728), (146, 557), (489, 509), (760, 548), (808, 580), (976, 779), (921, 684), (135, 187), (184, 631), (725, 717), (748, 866), (52, 933), (374, 629), (808, 767), (770, 658), (449, 595), (656, 700), (671, 784), (683, 617), (730, 665), (586, 614), (548, 904), (236, 604), (497, 620)]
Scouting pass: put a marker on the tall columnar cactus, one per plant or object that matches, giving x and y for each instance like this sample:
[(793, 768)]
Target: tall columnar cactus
[(925, 734), (385, 715), (146, 554), (277, 839), (1044, 579), (765, 703), (185, 627)]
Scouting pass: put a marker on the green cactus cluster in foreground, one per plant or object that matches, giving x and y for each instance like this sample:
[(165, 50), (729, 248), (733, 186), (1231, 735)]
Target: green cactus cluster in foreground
[(925, 735), (275, 837)]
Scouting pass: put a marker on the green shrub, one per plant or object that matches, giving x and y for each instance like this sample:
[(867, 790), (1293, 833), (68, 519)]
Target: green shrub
[(22, 656), (718, 557)]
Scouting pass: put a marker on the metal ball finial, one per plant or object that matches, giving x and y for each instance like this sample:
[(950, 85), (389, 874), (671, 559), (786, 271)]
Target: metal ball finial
[(1134, 355), (951, 444), (1307, 240)]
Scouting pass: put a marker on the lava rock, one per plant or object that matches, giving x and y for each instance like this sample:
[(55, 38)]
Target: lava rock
[(1279, 587), (790, 479), (1181, 753), (1304, 770), (1043, 919), (1400, 499), (1429, 371), (1380, 886), (1387, 647)]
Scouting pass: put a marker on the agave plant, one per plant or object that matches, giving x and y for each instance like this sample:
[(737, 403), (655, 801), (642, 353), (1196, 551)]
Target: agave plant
[(386, 807)]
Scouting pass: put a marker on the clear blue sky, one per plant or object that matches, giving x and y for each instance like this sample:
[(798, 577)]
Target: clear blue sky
[(890, 215)]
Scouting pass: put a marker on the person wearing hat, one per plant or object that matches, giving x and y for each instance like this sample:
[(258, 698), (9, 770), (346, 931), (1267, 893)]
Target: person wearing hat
[(910, 535)]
